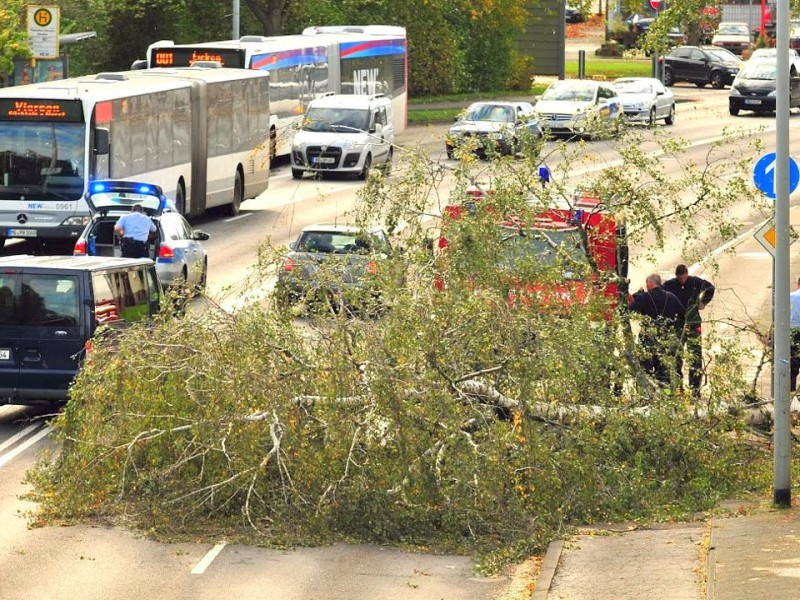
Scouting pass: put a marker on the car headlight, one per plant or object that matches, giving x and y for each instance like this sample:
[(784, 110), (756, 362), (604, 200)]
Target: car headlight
[(76, 221), (638, 106), (495, 135), (773, 93), (735, 90), (733, 69)]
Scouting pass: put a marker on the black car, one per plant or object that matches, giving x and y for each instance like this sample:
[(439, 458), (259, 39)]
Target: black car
[(755, 85), (573, 15), (701, 65)]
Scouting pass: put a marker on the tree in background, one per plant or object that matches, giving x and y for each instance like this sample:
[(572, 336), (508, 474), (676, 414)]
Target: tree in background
[(13, 39)]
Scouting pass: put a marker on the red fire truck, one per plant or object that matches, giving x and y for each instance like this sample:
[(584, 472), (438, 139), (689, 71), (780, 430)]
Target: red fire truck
[(558, 257)]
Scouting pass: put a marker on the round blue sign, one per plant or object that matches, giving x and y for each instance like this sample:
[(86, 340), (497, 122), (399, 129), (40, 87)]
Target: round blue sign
[(764, 174)]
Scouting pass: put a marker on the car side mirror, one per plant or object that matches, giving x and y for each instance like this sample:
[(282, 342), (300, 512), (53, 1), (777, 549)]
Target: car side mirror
[(293, 246), (101, 141), (659, 93), (200, 235)]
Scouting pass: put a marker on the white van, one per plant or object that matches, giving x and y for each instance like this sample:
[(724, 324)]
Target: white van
[(344, 133)]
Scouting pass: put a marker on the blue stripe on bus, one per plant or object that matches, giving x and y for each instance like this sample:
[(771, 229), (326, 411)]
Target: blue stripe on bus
[(288, 58), (372, 48)]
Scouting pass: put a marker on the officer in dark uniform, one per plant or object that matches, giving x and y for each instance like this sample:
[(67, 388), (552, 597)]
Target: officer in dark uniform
[(659, 335), (694, 292)]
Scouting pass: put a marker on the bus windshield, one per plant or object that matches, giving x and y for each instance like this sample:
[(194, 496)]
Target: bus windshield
[(339, 120), (41, 161)]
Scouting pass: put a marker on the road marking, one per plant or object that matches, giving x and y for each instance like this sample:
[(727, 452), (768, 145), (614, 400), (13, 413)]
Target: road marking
[(242, 216), (8, 457), (208, 559), (19, 435)]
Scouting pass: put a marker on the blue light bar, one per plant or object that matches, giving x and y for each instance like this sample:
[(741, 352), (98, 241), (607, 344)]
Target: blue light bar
[(96, 188), (144, 189)]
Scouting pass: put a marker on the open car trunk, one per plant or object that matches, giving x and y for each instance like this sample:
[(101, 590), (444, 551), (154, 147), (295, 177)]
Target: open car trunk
[(106, 243)]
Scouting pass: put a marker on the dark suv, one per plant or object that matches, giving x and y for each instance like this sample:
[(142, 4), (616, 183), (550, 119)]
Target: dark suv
[(50, 308), (701, 65)]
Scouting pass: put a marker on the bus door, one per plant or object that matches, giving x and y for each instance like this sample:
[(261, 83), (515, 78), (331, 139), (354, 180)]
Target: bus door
[(198, 192)]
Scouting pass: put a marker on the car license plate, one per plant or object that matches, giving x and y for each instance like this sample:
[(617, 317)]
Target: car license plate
[(750, 101), (325, 160), (21, 233), (5, 353)]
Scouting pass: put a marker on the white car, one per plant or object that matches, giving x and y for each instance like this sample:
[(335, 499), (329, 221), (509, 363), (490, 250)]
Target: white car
[(645, 99), (771, 54), (579, 107), (735, 37)]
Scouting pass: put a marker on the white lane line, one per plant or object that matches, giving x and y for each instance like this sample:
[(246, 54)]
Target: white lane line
[(208, 559), (7, 458), (19, 435), (242, 216)]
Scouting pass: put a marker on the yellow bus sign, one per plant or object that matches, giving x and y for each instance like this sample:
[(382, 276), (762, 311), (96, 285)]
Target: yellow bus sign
[(43, 26)]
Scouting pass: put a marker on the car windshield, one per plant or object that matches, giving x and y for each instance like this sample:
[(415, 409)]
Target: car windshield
[(634, 87), (730, 29), (569, 92), (759, 70), (325, 242), (340, 120), (723, 55), (543, 248), (495, 113)]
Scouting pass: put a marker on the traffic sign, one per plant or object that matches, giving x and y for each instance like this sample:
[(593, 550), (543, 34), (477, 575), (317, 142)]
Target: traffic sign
[(766, 237), (764, 174), (43, 24), (654, 4)]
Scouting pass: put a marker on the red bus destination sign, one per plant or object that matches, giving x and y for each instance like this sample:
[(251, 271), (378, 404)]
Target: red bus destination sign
[(18, 109)]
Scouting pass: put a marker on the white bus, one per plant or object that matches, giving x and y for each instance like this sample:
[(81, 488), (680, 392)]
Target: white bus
[(370, 59), (200, 133)]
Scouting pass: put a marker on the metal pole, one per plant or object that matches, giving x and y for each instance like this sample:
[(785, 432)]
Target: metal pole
[(581, 64), (235, 20), (782, 493)]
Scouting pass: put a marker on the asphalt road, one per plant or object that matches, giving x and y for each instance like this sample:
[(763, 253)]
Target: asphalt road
[(97, 562)]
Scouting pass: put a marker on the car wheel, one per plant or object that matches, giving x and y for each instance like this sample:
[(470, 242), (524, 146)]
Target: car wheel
[(668, 77), (297, 174), (387, 166), (734, 111), (670, 120), (717, 82), (200, 286), (367, 166), (651, 121), (449, 153)]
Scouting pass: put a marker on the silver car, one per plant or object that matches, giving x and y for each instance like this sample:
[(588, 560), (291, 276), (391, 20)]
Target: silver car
[(342, 264), (179, 256), (645, 99)]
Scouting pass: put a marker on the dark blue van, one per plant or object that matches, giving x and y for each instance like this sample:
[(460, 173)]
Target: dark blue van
[(51, 306)]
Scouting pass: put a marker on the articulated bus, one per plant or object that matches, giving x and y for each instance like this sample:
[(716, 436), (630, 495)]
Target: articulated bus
[(201, 133), (368, 59)]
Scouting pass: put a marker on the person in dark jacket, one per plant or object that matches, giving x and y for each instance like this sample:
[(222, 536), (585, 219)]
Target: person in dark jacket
[(660, 332), (695, 293)]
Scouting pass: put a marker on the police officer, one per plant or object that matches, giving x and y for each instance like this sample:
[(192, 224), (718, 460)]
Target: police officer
[(694, 292), (664, 317), (135, 229)]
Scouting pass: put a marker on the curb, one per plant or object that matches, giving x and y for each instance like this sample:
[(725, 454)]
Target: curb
[(548, 571), (711, 565)]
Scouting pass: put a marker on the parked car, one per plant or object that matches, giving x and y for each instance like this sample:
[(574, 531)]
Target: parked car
[(701, 65), (179, 256), (343, 264), (573, 15), (50, 309), (344, 133), (735, 37), (579, 107), (495, 126), (645, 99), (755, 85), (640, 26)]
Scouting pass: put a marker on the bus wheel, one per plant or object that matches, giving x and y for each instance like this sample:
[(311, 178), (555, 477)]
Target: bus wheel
[(180, 199), (238, 195)]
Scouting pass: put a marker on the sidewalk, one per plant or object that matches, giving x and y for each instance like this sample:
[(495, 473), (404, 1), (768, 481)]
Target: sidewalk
[(729, 558)]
